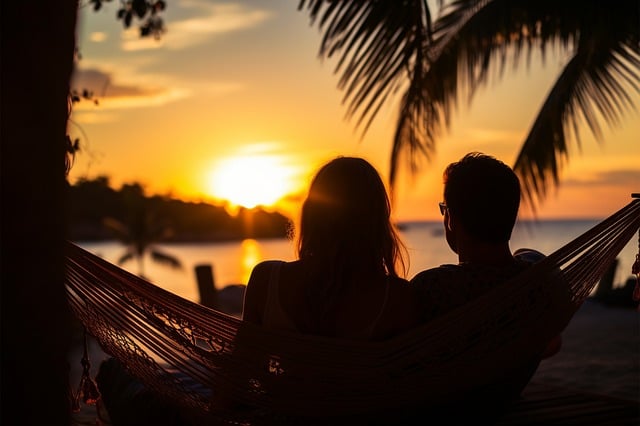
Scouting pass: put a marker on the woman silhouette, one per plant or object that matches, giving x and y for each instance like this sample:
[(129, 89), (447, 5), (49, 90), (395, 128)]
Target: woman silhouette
[(345, 282)]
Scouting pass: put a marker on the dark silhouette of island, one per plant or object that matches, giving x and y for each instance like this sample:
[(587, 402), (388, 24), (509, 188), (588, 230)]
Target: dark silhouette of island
[(93, 201)]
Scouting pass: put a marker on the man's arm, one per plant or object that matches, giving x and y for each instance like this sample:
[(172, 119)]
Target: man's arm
[(532, 256)]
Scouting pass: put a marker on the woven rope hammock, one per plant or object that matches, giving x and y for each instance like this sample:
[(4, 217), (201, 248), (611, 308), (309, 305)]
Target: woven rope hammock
[(197, 356)]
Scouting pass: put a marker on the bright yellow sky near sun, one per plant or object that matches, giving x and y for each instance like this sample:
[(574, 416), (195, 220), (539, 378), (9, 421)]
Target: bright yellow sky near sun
[(233, 103)]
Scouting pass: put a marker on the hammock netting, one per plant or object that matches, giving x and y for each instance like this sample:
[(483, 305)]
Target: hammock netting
[(200, 358)]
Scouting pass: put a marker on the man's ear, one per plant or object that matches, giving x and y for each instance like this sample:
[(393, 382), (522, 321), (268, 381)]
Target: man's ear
[(449, 222)]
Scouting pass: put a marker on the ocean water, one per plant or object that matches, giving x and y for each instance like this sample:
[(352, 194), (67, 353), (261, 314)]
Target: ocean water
[(232, 262)]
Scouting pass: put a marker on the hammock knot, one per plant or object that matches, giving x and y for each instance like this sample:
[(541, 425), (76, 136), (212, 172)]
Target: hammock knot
[(87, 389), (87, 392)]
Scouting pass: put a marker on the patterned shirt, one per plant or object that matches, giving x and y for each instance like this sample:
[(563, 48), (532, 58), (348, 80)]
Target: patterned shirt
[(440, 290), (444, 288)]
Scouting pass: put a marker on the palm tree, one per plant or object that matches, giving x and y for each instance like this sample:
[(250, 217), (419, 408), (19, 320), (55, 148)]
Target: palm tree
[(35, 314), (141, 230), (388, 46)]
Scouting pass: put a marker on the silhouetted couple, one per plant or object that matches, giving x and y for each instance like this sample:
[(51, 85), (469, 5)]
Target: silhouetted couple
[(349, 278), (345, 282)]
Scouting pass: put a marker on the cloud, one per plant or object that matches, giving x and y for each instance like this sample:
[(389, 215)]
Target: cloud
[(622, 177), (112, 95), (101, 83), (208, 20), (142, 90), (98, 36), (493, 136)]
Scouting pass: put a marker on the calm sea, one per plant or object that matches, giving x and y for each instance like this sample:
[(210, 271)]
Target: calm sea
[(232, 261)]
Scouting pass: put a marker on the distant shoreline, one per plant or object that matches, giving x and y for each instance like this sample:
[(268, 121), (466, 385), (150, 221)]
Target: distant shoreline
[(99, 236), (418, 222), (178, 240)]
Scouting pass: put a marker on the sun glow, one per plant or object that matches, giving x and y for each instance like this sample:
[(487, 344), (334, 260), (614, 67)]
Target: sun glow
[(251, 255), (253, 180)]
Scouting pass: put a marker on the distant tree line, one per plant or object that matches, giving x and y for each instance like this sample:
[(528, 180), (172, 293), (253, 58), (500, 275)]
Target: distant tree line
[(93, 205)]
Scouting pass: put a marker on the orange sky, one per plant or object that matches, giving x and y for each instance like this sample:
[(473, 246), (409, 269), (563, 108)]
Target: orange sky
[(243, 79)]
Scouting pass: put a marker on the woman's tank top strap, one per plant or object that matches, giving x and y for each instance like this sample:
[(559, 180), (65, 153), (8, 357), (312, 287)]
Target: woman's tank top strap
[(274, 316)]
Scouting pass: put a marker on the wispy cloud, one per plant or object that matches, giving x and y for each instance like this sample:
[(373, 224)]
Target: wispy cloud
[(140, 89), (102, 85), (208, 20), (98, 36), (622, 177), (112, 95), (493, 136)]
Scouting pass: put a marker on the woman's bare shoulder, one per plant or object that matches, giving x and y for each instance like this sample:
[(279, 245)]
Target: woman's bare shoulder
[(257, 290)]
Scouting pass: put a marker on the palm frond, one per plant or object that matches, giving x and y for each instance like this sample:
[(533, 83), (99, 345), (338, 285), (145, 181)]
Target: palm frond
[(472, 37), (118, 229), (165, 259), (411, 133), (127, 256), (433, 90), (595, 82), (379, 43)]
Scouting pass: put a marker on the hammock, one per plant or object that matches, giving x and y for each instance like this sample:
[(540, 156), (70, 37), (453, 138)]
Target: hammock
[(194, 355)]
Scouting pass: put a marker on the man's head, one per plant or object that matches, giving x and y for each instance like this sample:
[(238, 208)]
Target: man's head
[(482, 195)]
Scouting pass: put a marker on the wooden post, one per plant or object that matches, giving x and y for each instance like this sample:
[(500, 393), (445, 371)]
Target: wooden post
[(206, 285), (605, 286)]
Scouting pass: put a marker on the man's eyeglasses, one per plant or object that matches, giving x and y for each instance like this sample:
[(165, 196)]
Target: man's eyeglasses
[(443, 208)]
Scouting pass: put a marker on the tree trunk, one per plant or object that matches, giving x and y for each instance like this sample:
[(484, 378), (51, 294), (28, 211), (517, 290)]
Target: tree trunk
[(38, 41)]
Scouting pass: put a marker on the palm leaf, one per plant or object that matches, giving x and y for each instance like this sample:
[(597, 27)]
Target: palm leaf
[(473, 37), (127, 256), (591, 83), (165, 259), (118, 229), (379, 42)]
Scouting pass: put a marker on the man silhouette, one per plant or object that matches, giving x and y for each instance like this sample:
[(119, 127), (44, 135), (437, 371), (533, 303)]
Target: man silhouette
[(480, 207)]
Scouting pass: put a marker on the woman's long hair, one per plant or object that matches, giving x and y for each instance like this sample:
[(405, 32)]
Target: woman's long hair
[(346, 236)]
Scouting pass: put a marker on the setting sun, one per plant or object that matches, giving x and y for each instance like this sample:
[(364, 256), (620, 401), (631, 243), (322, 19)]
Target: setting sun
[(250, 181)]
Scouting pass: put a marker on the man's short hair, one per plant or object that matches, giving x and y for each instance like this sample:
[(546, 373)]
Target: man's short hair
[(483, 193)]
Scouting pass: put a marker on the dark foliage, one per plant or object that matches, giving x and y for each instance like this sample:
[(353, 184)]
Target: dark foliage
[(147, 11), (92, 201)]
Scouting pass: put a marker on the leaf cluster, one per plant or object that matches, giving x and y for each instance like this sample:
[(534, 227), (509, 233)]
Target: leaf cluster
[(147, 11)]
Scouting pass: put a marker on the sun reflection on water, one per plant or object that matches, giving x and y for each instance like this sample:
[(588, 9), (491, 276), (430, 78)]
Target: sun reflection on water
[(251, 255)]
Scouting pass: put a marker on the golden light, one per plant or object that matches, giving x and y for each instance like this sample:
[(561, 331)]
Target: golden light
[(251, 255), (253, 180)]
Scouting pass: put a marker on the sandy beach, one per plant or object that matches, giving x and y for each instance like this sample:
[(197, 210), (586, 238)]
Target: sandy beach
[(600, 355)]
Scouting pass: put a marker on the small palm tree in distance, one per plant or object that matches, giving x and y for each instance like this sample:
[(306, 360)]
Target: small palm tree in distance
[(141, 230)]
